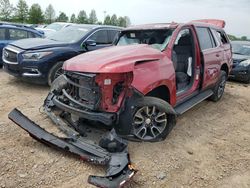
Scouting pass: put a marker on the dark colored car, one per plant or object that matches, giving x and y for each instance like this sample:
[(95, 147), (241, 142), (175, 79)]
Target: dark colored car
[(40, 60), (10, 32), (241, 61)]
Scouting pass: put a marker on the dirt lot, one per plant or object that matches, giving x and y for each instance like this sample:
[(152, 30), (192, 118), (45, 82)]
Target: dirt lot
[(209, 147)]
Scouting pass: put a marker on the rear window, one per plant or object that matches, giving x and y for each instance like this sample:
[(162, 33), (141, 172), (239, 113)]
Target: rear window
[(2, 34), (205, 38)]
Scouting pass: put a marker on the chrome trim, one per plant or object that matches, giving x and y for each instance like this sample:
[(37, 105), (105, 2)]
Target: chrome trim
[(26, 74), (8, 62), (12, 50)]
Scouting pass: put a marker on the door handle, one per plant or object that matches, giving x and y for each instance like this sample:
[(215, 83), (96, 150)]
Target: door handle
[(217, 55)]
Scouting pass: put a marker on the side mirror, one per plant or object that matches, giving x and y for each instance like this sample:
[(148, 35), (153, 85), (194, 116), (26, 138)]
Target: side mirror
[(90, 43)]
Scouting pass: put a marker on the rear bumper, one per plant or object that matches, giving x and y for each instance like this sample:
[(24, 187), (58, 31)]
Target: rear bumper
[(119, 169)]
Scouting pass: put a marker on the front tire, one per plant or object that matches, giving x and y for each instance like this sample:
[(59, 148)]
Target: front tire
[(150, 119), (220, 87), (55, 72)]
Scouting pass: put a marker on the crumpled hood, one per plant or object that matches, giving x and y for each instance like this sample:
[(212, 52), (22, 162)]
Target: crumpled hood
[(37, 43), (114, 59)]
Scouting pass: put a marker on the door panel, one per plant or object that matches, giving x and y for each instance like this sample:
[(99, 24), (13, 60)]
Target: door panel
[(212, 60), (212, 56)]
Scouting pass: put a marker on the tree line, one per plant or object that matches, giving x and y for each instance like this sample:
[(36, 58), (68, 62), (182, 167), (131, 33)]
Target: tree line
[(243, 38), (22, 13)]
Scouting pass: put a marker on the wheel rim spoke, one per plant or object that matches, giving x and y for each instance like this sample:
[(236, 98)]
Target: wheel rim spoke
[(152, 132), (147, 110), (139, 119), (158, 129), (149, 122), (139, 131), (58, 73)]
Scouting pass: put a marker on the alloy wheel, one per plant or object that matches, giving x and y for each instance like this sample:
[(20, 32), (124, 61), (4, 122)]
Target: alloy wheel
[(149, 122)]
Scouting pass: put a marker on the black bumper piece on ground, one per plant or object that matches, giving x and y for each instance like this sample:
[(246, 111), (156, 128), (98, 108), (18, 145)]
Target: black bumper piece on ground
[(119, 170)]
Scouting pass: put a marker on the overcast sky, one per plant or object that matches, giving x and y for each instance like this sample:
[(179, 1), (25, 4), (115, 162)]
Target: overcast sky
[(235, 13)]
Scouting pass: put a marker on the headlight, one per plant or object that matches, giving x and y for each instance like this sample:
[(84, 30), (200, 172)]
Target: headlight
[(35, 56), (245, 63)]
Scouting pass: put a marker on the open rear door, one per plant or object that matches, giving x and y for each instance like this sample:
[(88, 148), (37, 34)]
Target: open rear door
[(218, 23)]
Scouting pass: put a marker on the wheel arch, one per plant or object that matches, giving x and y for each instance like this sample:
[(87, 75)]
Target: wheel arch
[(162, 92), (225, 68)]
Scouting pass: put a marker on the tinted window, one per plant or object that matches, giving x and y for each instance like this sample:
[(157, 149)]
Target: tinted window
[(16, 34), (214, 44), (2, 34), (112, 34), (101, 37), (216, 37), (222, 37), (31, 35), (204, 38)]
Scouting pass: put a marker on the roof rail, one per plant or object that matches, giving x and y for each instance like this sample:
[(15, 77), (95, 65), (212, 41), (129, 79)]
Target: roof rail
[(216, 22), (17, 25)]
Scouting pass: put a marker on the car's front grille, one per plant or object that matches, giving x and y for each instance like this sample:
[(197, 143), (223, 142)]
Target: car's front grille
[(9, 56), (84, 89)]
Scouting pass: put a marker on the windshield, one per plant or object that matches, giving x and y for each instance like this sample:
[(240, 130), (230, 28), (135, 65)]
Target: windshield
[(55, 26), (242, 49), (157, 39), (69, 34)]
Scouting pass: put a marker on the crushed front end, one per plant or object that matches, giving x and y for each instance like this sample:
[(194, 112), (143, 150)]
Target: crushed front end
[(85, 107), (93, 97)]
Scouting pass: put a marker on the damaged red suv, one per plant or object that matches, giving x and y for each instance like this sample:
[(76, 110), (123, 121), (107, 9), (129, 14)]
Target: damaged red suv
[(152, 74)]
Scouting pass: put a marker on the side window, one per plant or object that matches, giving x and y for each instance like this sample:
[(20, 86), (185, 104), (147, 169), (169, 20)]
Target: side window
[(112, 35), (101, 37), (222, 37), (31, 35), (205, 38), (2, 34), (16, 34), (216, 37)]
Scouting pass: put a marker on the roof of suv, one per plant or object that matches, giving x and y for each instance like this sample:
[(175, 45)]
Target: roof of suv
[(219, 24), (92, 26), (18, 26), (153, 26)]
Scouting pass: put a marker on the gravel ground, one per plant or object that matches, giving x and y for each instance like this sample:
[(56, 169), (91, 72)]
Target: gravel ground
[(209, 147)]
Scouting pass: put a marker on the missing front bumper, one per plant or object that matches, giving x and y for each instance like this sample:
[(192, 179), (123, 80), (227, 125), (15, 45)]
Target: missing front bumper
[(119, 169)]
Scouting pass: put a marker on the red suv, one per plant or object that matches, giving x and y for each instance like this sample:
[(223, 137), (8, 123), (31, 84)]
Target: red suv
[(153, 73)]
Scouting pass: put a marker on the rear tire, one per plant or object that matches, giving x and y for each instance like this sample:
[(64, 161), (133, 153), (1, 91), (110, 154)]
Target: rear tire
[(220, 87), (55, 72), (149, 119)]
